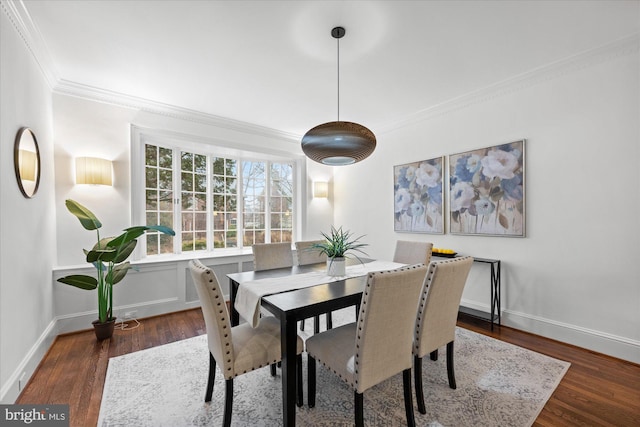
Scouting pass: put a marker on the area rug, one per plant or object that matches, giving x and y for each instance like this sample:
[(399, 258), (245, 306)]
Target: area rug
[(499, 384)]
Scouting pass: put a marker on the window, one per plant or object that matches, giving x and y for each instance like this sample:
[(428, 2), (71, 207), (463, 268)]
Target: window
[(253, 201), (221, 202), (225, 203), (281, 203), (193, 174), (159, 197)]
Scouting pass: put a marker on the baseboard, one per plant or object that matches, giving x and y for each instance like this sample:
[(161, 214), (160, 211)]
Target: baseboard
[(72, 323), (590, 339), (79, 321), (601, 342), (11, 389), (598, 341)]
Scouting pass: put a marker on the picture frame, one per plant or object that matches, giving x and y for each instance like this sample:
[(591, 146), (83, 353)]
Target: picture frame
[(487, 191), (419, 197)]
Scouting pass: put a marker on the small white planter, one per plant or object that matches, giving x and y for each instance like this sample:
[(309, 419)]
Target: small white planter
[(336, 267)]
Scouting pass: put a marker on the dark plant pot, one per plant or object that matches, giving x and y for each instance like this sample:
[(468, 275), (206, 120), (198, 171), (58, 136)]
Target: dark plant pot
[(104, 330)]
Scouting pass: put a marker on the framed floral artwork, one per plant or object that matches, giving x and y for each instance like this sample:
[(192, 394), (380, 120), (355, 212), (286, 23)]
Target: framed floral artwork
[(486, 191), (417, 189)]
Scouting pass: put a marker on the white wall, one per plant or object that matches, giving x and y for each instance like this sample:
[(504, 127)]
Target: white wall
[(85, 127), (319, 210), (575, 276), (27, 226), (70, 126)]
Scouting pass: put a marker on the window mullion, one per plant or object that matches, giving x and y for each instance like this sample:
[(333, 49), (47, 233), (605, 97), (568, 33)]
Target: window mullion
[(240, 203), (209, 203), (267, 203), (177, 197)]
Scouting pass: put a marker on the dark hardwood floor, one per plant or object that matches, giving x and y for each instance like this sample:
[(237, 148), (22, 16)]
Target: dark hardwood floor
[(596, 391)]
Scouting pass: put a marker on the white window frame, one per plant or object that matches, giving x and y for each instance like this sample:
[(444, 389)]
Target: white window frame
[(209, 147)]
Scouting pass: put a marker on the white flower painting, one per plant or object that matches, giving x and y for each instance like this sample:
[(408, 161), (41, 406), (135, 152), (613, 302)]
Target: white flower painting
[(417, 190), (486, 191)]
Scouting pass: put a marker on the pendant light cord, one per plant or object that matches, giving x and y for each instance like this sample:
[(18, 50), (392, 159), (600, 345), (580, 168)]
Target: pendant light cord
[(338, 78)]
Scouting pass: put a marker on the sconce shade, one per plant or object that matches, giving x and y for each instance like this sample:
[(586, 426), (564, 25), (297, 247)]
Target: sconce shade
[(338, 143), (321, 189), (28, 164), (92, 170)]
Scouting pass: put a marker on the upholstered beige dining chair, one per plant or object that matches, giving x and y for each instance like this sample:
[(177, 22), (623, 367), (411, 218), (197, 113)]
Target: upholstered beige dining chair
[(378, 345), (267, 256), (305, 255), (239, 349), (437, 315), (413, 252)]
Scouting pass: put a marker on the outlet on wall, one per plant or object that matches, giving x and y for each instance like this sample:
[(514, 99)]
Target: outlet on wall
[(21, 382), (130, 315)]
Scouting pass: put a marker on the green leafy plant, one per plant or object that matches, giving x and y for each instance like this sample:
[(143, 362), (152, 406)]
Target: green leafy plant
[(108, 256), (340, 244)]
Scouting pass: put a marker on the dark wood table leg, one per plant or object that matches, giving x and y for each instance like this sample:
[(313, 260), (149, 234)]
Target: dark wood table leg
[(288, 344), (233, 288), (497, 291), (493, 290)]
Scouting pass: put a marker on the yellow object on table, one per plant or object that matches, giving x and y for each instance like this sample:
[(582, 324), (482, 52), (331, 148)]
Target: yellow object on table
[(443, 251)]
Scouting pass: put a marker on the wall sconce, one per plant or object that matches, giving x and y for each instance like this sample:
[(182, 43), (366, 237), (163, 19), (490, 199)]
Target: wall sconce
[(91, 170), (320, 189)]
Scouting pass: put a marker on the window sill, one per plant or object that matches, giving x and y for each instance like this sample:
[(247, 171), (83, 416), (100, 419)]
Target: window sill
[(172, 258), (219, 253)]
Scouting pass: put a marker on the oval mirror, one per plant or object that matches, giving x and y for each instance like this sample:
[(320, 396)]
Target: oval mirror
[(26, 160)]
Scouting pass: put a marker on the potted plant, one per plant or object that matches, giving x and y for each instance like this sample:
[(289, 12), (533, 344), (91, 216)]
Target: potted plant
[(338, 245), (109, 257)]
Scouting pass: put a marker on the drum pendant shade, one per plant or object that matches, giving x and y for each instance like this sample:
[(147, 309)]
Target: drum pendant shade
[(338, 143)]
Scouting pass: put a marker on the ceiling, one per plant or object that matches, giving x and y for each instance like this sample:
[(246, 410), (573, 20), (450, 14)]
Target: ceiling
[(273, 63)]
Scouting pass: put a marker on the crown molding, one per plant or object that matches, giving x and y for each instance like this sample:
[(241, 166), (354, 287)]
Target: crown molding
[(79, 90), (28, 31), (622, 47), (21, 20), (17, 13)]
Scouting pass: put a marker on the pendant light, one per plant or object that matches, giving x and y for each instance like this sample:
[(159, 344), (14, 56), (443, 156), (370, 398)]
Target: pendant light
[(338, 143)]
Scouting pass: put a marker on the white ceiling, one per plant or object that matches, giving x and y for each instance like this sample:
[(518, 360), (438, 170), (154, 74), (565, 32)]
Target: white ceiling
[(273, 63)]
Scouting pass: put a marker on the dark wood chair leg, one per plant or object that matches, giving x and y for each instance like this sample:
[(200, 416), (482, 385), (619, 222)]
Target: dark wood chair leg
[(273, 369), (450, 372), (417, 373), (434, 355), (311, 381), (212, 378), (228, 403), (299, 380), (329, 321), (358, 404), (408, 400), (316, 324)]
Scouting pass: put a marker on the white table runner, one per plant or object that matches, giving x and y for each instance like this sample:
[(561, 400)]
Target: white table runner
[(250, 293)]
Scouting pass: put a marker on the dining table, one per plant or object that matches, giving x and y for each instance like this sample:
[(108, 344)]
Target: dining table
[(296, 304)]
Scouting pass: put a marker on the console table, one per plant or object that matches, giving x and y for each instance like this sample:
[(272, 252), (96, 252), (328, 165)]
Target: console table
[(494, 316)]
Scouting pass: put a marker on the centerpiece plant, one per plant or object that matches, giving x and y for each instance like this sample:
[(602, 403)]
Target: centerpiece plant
[(338, 245), (109, 257)]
